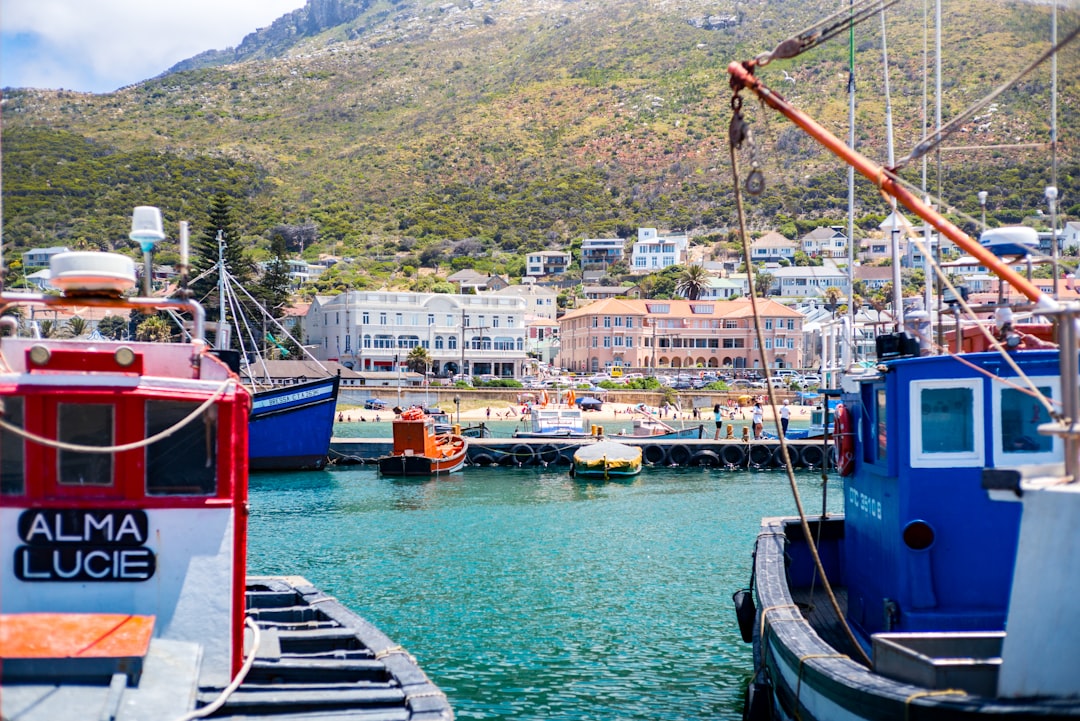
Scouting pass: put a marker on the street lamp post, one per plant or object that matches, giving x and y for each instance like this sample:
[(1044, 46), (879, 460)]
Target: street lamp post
[(457, 407), (982, 204)]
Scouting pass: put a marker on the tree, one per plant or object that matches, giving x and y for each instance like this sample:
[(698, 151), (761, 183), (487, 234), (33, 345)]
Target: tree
[(418, 360), (154, 329), (273, 290), (112, 326), (77, 325), (205, 255), (692, 282), (763, 283), (832, 298)]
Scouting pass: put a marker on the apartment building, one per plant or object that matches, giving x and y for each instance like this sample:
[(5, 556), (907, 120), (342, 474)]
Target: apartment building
[(375, 331), (677, 334)]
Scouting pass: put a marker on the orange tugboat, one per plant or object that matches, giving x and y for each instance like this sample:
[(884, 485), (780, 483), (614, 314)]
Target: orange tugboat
[(419, 450)]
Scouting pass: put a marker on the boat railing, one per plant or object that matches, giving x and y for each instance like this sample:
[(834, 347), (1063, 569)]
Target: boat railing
[(198, 314)]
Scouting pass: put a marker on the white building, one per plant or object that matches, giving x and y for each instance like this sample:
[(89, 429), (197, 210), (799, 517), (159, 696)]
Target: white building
[(825, 242), (374, 331), (808, 281), (772, 247), (546, 262), (653, 252), (39, 257)]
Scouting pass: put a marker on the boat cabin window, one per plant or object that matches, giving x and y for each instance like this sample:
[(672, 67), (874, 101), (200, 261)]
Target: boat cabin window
[(946, 423), (880, 426), (1017, 417), (184, 462), (85, 424), (12, 459)]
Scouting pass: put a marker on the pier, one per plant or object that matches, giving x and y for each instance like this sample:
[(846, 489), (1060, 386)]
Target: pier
[(732, 454)]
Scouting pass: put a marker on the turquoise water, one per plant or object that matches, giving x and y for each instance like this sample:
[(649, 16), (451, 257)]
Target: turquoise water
[(527, 595)]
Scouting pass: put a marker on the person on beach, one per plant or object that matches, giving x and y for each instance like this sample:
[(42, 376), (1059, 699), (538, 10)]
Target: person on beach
[(758, 416), (718, 418), (785, 416)]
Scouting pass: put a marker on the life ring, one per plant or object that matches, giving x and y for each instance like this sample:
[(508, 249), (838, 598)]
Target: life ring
[(548, 454), (844, 439), (653, 454), (704, 458), (760, 455), (732, 454), (679, 455), (522, 454), (482, 459), (813, 456)]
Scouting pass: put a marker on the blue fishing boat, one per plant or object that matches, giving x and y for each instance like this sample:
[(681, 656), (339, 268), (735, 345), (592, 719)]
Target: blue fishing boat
[(290, 426), (946, 588)]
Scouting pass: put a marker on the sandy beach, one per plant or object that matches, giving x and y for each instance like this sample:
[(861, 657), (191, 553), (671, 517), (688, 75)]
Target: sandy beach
[(610, 412)]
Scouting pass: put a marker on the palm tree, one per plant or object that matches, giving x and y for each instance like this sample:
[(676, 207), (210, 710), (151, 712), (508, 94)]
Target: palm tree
[(693, 280), (76, 325), (418, 360), (832, 298), (154, 329)]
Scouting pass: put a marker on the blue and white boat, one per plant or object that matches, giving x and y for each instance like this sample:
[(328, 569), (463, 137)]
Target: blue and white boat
[(554, 422), (1013, 240), (946, 589), (290, 426)]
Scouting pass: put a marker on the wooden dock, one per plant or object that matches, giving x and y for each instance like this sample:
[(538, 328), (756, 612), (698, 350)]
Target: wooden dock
[(515, 452)]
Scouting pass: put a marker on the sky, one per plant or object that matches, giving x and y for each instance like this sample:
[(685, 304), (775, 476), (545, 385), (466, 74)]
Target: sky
[(101, 45)]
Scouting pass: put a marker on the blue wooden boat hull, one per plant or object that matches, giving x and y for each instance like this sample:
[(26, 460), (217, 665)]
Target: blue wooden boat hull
[(290, 427)]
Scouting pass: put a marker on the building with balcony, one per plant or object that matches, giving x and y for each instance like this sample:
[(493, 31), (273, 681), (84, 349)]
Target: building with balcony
[(653, 334), (546, 262), (825, 242), (808, 281), (39, 257), (601, 253), (772, 248), (653, 252), (375, 331)]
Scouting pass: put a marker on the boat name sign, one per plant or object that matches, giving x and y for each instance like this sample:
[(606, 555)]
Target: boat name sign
[(84, 545), (291, 398)]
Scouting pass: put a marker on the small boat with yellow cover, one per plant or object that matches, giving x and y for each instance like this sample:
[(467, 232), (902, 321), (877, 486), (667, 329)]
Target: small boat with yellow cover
[(420, 450), (606, 460)]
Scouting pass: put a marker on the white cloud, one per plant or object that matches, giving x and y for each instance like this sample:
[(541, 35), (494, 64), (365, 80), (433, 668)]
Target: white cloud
[(105, 44)]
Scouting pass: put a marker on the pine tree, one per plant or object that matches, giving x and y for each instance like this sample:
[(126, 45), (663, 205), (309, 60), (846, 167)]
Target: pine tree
[(205, 255), (273, 289)]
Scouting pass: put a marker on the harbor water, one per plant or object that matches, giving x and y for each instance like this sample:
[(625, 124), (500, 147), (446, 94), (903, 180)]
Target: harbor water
[(527, 595)]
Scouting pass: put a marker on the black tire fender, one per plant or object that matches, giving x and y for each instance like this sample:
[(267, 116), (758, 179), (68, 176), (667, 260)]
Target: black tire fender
[(704, 458)]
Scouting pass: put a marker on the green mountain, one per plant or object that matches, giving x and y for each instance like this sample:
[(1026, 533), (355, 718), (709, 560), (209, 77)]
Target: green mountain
[(417, 133)]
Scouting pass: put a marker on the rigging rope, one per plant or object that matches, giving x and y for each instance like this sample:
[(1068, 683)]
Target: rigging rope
[(933, 140), (736, 130), (824, 31)]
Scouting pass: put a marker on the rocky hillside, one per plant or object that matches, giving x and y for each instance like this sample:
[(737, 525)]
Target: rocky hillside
[(469, 132)]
